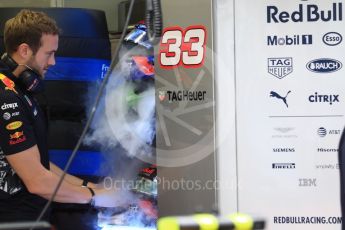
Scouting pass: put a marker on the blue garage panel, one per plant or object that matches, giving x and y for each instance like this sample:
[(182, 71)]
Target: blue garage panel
[(85, 162), (78, 69)]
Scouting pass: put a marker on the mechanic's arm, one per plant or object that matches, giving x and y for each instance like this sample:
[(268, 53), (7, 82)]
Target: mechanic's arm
[(40, 181), (69, 178)]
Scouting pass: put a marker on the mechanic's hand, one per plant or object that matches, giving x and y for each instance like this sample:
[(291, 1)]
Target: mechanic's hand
[(111, 198)]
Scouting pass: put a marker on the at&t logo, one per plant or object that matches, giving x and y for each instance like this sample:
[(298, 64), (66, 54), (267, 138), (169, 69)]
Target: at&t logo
[(322, 132)]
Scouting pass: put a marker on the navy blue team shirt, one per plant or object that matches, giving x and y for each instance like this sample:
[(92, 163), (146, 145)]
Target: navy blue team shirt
[(22, 125)]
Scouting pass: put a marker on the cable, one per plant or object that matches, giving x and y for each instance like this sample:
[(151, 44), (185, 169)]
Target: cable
[(153, 20), (113, 63)]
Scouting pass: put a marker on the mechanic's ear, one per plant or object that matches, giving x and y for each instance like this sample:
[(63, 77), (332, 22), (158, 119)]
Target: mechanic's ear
[(25, 52)]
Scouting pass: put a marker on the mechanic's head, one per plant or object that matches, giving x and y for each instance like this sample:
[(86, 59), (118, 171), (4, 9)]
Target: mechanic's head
[(31, 38)]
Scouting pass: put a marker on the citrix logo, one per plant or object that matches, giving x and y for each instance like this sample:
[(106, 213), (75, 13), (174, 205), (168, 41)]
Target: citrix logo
[(305, 12), (9, 106), (316, 98)]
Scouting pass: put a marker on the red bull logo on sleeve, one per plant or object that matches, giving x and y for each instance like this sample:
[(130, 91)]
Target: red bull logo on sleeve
[(8, 83), (17, 137)]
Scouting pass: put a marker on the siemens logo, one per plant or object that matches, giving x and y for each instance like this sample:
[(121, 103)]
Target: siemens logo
[(324, 65), (332, 38), (284, 150), (274, 40), (317, 98), (308, 12)]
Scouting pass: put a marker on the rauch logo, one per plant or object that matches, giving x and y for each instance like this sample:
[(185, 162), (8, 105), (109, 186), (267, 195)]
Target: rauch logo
[(324, 65)]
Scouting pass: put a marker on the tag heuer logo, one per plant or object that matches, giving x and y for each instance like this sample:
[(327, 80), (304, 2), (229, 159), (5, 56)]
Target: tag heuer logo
[(161, 95), (280, 67)]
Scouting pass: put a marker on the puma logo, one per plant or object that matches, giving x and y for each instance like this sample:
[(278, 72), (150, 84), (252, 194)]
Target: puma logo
[(276, 95)]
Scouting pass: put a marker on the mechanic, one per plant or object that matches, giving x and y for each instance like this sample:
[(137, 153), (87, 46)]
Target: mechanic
[(27, 178)]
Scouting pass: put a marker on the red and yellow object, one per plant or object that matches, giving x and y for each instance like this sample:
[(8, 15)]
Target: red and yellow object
[(8, 83)]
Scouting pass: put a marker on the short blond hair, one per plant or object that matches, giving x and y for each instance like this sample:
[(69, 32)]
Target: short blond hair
[(28, 27)]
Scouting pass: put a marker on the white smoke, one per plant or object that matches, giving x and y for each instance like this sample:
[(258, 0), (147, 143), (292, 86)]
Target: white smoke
[(124, 117)]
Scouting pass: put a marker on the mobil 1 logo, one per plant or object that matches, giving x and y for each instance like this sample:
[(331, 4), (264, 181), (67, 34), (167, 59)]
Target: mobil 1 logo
[(290, 40), (280, 67)]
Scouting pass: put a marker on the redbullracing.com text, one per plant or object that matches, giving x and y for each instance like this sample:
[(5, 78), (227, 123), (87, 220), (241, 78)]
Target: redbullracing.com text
[(306, 220)]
